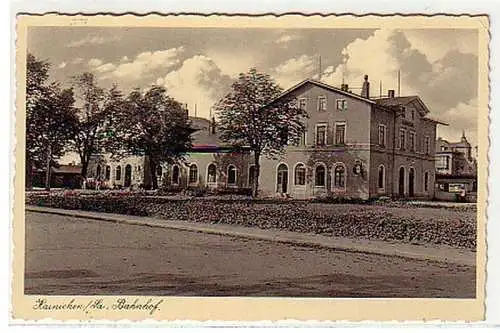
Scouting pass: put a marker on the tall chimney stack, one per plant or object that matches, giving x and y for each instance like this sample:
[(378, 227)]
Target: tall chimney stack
[(365, 91), (213, 125)]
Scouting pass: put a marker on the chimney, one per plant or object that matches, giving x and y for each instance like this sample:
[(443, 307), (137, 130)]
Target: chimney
[(365, 91), (344, 87), (213, 125), (390, 93)]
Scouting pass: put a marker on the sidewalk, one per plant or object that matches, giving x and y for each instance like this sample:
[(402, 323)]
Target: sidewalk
[(421, 252)]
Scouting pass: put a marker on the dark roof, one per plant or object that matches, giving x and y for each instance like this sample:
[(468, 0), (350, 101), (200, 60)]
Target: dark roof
[(392, 101), (76, 169), (322, 85), (203, 140)]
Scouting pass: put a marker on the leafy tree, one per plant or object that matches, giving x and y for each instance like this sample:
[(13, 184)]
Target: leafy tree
[(251, 115), (96, 110), (154, 125), (50, 119)]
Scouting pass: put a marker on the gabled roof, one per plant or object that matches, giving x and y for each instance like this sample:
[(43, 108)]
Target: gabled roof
[(324, 86), (403, 100)]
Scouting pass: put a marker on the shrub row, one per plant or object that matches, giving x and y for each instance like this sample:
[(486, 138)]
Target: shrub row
[(346, 221)]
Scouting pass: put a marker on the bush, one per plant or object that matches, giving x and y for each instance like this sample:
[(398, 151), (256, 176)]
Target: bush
[(343, 220)]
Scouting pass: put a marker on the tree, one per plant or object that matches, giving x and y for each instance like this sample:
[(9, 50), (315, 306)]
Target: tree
[(97, 107), (50, 119), (154, 125), (251, 115)]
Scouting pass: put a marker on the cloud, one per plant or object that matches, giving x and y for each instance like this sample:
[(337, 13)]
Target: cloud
[(294, 70), (62, 64), (285, 39), (198, 81), (231, 63), (77, 61), (462, 117), (94, 62), (144, 65), (445, 81), (93, 40)]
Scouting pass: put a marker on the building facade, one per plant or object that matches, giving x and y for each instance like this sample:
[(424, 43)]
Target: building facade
[(354, 146), (456, 170)]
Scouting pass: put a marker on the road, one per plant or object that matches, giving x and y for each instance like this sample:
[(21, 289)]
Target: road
[(75, 256)]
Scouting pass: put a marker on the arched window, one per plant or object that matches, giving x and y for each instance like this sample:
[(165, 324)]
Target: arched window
[(231, 175), (193, 174), (211, 174), (339, 176), (175, 175), (426, 181), (320, 176), (98, 172), (381, 177), (118, 173), (108, 172), (300, 174)]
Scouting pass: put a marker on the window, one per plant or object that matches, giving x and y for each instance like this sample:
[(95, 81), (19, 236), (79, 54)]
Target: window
[(412, 114), (322, 103), (303, 139), (98, 172), (341, 104), (426, 181), (193, 174), (339, 176), (108, 172), (211, 174), (283, 135), (381, 177), (443, 162), (339, 133), (319, 176), (427, 144), (175, 174), (411, 141), (381, 135), (321, 135), (300, 174), (402, 136), (403, 111), (159, 171), (231, 175), (251, 175), (302, 103), (118, 175)]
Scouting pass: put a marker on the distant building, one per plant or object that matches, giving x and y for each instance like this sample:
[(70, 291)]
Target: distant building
[(62, 176), (456, 169), (354, 146)]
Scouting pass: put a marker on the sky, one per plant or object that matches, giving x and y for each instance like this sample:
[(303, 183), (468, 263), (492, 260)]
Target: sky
[(197, 65)]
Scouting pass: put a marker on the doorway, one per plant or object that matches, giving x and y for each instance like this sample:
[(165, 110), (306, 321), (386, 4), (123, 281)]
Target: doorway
[(401, 191), (411, 182), (282, 179)]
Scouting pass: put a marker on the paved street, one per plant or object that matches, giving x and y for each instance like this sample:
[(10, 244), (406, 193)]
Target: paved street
[(67, 255)]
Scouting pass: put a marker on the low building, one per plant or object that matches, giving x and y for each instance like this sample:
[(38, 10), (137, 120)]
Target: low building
[(456, 170), (354, 146)]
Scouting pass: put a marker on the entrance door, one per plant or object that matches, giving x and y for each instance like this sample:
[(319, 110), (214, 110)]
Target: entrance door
[(402, 182), (411, 182), (282, 179), (128, 176)]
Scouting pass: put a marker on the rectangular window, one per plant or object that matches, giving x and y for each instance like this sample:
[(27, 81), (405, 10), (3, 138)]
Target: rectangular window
[(402, 141), (303, 139), (321, 135), (339, 133), (443, 162), (412, 114), (302, 103), (427, 144), (411, 141), (403, 111), (381, 135), (341, 104), (322, 103)]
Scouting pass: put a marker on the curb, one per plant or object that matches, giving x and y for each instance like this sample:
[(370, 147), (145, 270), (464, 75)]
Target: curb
[(389, 250)]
